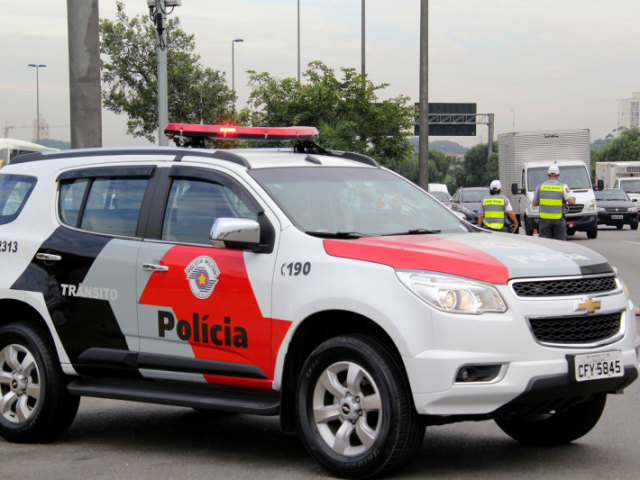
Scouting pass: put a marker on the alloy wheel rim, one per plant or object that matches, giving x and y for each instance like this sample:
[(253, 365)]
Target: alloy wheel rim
[(347, 409), (20, 387)]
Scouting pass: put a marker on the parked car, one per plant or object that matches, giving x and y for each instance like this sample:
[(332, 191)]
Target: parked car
[(616, 208), (468, 201)]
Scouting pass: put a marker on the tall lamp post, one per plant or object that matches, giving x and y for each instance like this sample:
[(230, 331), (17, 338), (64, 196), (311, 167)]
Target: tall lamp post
[(158, 14), (233, 63), (37, 67)]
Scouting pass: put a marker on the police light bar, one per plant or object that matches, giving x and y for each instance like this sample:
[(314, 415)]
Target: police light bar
[(233, 132)]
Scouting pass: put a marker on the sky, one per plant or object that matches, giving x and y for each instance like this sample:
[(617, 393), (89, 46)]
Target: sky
[(534, 64)]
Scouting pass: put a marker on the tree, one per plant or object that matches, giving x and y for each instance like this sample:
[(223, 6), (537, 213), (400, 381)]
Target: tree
[(478, 168), (346, 111), (438, 167), (624, 148), (129, 76)]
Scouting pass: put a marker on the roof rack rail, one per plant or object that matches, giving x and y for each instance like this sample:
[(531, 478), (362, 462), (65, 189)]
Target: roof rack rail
[(311, 148)]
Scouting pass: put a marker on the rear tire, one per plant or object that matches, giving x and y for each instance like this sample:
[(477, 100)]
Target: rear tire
[(34, 403), (555, 427), (619, 226), (355, 409)]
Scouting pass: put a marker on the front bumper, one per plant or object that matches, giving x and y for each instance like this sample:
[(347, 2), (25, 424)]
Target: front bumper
[(605, 218), (522, 363), (580, 223)]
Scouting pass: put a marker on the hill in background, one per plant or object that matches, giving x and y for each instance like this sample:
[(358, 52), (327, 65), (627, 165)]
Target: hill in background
[(445, 146)]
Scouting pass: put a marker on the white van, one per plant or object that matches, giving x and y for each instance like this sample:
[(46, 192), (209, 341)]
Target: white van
[(10, 147)]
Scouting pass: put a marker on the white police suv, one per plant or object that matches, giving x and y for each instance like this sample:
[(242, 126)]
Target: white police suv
[(311, 284)]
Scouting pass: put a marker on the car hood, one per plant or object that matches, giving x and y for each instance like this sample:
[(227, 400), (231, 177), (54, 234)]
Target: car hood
[(488, 257), (615, 204)]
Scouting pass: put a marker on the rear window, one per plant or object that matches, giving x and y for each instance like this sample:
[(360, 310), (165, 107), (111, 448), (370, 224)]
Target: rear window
[(103, 205), (14, 192)]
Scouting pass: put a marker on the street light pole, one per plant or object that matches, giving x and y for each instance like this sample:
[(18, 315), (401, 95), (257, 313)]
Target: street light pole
[(233, 63), (362, 40), (37, 67), (158, 13), (298, 41)]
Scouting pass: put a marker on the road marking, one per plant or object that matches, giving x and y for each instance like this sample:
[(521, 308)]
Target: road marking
[(628, 241)]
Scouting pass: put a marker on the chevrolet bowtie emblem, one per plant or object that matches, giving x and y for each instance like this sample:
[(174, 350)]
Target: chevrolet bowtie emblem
[(589, 306)]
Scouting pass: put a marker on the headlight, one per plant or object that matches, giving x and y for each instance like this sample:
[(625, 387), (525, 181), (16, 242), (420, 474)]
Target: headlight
[(453, 294), (591, 205), (632, 209), (600, 209)]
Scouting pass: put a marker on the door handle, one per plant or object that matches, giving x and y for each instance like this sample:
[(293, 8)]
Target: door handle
[(154, 267), (48, 257)]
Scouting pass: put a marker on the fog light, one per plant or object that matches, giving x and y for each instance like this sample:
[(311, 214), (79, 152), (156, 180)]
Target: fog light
[(477, 373)]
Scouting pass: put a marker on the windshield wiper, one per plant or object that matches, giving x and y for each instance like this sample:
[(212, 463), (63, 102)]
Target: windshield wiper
[(415, 231), (336, 234)]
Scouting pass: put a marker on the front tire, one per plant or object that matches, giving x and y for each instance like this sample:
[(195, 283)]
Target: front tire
[(355, 409), (34, 403), (593, 233), (634, 224), (555, 427)]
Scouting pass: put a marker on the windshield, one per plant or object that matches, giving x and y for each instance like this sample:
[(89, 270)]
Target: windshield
[(576, 177), (630, 186), (611, 195), (442, 196), (352, 202), (474, 196)]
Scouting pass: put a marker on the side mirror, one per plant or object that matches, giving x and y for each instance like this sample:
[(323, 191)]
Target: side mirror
[(600, 185), (634, 199), (236, 233), (514, 189)]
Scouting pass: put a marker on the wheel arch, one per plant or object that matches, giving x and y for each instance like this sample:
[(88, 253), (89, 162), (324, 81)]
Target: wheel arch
[(14, 310), (314, 330)]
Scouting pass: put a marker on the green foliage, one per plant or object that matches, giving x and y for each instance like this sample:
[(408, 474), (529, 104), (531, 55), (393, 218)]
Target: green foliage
[(624, 148), (478, 168), (129, 76), (347, 111), (409, 168)]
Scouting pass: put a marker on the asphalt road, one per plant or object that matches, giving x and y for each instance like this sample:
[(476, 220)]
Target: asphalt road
[(125, 440)]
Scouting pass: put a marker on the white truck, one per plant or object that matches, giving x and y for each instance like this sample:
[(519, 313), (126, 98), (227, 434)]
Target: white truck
[(622, 175), (523, 159)]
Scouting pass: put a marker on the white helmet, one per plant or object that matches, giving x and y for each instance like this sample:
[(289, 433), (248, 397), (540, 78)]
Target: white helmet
[(554, 171)]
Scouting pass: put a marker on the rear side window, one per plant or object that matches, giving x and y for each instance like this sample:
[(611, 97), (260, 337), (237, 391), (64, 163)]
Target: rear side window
[(104, 205), (14, 192)]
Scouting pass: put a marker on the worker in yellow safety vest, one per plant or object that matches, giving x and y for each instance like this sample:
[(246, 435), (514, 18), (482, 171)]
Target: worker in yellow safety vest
[(551, 196), (495, 209)]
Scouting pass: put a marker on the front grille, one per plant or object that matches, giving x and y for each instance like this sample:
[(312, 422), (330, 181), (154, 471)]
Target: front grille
[(576, 330), (616, 209), (575, 208), (565, 287)]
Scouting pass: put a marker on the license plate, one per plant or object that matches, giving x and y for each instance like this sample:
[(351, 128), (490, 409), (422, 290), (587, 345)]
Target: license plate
[(617, 217), (595, 366)]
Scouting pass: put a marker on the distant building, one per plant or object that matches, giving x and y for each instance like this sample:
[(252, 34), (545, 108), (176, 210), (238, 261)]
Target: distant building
[(629, 111)]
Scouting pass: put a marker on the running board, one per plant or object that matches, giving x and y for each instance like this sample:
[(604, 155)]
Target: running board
[(204, 397)]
